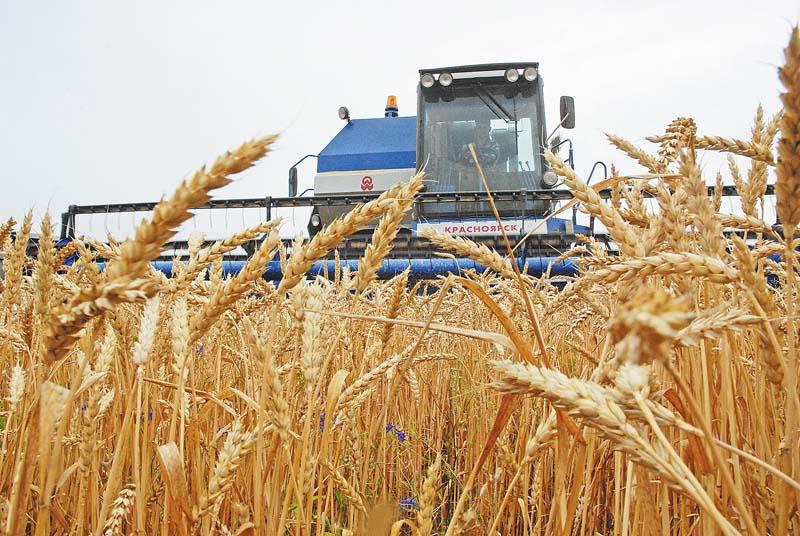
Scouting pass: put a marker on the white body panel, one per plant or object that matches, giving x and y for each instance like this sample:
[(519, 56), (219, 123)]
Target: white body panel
[(488, 227), (372, 180)]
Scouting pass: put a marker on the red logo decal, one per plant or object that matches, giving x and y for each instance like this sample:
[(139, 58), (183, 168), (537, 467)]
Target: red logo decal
[(366, 184)]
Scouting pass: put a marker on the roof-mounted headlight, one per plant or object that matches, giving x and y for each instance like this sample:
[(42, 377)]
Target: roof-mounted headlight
[(530, 73), (512, 75), (445, 79), (427, 80)]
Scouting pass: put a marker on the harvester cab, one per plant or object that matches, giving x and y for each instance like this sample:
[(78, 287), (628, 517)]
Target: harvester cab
[(500, 110), (496, 108)]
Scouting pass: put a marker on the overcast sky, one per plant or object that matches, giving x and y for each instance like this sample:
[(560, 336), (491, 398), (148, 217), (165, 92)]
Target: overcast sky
[(111, 101)]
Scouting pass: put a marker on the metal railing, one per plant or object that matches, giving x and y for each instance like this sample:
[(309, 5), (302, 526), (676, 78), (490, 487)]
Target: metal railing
[(270, 203)]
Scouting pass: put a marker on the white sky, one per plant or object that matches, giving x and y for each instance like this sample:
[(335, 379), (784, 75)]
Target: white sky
[(111, 101)]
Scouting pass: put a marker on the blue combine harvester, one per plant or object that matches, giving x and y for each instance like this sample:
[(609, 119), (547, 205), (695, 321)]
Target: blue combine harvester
[(498, 109)]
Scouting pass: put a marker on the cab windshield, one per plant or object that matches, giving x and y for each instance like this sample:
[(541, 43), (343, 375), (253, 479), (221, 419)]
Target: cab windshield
[(503, 123)]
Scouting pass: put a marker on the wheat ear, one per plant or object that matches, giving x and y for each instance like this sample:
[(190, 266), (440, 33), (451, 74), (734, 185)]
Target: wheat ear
[(276, 403), (346, 488), (66, 252), (704, 217), (332, 235), (228, 293), (237, 445), (135, 254), (428, 498), (644, 158), (44, 269), (216, 251), (385, 233), (743, 221), (763, 302), (14, 261), (5, 231), (477, 252), (667, 263), (122, 281), (787, 184), (732, 145), (611, 218), (119, 511)]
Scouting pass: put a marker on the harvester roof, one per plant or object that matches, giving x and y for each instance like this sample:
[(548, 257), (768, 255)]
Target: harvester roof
[(481, 67), (382, 143)]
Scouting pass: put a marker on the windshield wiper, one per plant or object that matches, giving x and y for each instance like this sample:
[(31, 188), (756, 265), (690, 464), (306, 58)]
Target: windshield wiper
[(488, 105), (499, 106)]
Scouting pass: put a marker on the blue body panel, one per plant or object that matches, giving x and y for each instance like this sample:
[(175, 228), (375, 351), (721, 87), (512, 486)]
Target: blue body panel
[(420, 268), (382, 143)]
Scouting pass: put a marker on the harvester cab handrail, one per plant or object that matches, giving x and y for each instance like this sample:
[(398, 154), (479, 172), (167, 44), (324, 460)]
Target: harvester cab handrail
[(588, 181), (570, 154), (594, 166), (293, 176)]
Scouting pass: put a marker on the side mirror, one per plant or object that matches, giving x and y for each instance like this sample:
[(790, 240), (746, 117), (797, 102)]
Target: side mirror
[(292, 182), (567, 112)]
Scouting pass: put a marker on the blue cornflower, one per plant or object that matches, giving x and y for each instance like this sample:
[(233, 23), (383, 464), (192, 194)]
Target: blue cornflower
[(401, 435), (408, 504)]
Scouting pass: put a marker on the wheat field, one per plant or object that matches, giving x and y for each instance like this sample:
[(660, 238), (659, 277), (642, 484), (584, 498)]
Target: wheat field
[(654, 393)]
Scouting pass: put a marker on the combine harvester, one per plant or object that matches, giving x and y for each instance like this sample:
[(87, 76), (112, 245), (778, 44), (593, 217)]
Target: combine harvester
[(499, 108)]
